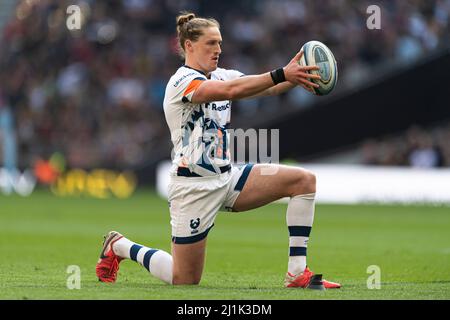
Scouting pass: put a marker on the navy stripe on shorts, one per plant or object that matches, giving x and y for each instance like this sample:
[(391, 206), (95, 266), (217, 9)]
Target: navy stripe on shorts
[(192, 239), (241, 182)]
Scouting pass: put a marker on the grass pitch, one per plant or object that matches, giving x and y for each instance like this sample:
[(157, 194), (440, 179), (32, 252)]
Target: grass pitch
[(42, 235)]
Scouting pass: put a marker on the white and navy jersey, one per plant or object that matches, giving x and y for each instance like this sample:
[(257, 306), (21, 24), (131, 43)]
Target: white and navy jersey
[(199, 132)]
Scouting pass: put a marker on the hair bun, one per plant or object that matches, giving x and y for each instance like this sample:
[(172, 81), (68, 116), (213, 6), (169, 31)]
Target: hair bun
[(185, 18)]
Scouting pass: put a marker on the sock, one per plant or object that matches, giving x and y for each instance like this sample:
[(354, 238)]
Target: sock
[(299, 218), (157, 262)]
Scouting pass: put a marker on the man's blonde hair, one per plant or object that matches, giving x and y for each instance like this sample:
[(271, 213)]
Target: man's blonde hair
[(189, 27)]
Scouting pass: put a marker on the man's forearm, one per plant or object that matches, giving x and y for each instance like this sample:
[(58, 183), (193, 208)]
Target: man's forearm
[(275, 90), (280, 88)]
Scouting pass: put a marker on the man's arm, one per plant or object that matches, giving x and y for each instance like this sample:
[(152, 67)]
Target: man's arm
[(248, 86), (280, 89), (275, 90)]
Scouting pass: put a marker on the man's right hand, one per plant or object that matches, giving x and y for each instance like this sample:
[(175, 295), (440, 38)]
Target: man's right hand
[(299, 75)]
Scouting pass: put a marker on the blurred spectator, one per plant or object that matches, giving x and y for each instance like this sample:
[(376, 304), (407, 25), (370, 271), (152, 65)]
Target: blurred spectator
[(417, 148), (423, 153)]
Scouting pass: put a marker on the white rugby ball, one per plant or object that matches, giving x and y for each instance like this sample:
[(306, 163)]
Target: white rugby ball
[(316, 53)]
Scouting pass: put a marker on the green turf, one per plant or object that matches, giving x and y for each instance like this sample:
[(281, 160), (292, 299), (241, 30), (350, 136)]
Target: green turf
[(247, 253)]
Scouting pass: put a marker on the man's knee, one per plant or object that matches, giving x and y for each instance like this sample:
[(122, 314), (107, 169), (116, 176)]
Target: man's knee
[(305, 183), (312, 182)]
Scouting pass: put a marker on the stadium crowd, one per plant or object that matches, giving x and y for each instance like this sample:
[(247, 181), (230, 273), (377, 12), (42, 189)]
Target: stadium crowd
[(95, 95), (417, 147)]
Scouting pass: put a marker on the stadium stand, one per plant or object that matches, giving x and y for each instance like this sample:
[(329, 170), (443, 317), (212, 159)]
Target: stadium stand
[(96, 95)]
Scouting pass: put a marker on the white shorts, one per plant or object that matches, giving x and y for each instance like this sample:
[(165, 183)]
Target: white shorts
[(195, 201)]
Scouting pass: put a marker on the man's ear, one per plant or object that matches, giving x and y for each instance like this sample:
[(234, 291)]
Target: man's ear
[(188, 45)]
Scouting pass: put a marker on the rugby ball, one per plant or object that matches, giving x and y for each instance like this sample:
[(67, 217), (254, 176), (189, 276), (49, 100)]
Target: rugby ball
[(316, 53)]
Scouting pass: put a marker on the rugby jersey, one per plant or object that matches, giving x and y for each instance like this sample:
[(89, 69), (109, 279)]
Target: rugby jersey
[(199, 132)]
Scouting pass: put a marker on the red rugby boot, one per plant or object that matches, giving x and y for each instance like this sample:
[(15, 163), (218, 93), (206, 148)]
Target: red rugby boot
[(108, 264), (308, 279)]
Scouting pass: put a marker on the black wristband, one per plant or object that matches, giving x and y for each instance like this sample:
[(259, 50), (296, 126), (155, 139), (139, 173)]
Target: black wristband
[(278, 76)]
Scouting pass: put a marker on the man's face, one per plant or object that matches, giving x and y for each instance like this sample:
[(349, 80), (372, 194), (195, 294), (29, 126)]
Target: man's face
[(206, 50)]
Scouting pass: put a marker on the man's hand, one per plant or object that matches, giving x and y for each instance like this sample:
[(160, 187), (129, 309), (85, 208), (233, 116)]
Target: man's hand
[(308, 88), (297, 74)]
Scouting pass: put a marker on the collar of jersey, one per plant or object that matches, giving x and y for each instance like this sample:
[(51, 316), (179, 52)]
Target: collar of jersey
[(186, 66)]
